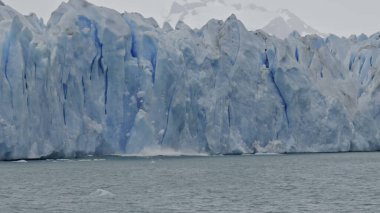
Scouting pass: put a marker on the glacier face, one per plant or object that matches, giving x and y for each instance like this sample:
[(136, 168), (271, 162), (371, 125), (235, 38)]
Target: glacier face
[(94, 81)]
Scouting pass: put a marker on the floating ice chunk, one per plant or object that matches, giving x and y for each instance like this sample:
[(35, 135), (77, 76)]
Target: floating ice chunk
[(102, 193), (20, 161)]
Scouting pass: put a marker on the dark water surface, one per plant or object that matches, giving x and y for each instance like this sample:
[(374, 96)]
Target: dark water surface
[(280, 183)]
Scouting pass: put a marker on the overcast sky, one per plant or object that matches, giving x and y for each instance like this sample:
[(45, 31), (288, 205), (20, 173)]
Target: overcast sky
[(341, 17)]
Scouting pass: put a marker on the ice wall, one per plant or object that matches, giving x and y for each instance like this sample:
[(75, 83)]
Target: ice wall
[(94, 81)]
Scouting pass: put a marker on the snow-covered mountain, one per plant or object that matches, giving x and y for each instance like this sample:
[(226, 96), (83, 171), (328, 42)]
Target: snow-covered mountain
[(94, 81), (196, 13)]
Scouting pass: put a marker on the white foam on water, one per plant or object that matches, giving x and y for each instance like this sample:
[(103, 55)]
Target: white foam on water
[(85, 160), (269, 153), (159, 151)]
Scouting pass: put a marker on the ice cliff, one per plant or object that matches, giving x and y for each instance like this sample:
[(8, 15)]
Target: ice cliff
[(94, 81)]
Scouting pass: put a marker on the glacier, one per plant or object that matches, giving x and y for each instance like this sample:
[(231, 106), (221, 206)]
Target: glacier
[(96, 82)]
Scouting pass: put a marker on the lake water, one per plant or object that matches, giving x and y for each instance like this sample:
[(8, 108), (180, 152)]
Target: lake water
[(347, 182)]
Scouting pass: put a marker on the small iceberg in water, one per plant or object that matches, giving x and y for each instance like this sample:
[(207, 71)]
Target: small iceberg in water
[(102, 193), (20, 161)]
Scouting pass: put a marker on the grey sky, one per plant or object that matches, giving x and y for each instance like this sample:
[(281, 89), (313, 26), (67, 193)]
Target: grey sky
[(341, 17)]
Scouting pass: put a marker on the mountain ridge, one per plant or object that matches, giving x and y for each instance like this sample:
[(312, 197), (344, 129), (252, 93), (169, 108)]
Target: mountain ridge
[(196, 13)]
